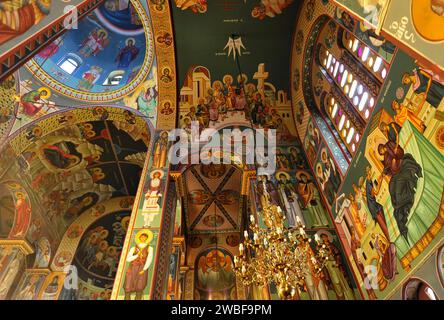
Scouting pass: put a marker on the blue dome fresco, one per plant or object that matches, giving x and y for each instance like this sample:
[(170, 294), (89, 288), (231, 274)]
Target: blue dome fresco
[(110, 52)]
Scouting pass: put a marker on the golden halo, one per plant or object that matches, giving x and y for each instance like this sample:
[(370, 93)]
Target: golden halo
[(102, 31), (144, 232), (324, 151), (226, 78), (48, 92), (218, 83), (328, 234), (318, 166), (157, 171), (299, 174), (127, 40), (279, 173)]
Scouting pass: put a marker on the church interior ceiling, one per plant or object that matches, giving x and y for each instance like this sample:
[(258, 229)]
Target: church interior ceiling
[(379, 231), (214, 202), (62, 167), (86, 181)]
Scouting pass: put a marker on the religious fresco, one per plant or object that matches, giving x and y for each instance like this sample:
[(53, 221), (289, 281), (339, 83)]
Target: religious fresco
[(216, 49), (7, 114), (269, 8), (215, 279), (29, 287), (196, 6), (213, 204), (139, 267), (418, 26), (17, 18), (79, 70), (66, 165), (91, 247), (72, 68), (367, 34), (219, 104), (12, 262), (99, 250), (83, 157), (372, 12), (327, 174), (379, 209), (145, 224), (395, 178), (173, 284), (52, 286)]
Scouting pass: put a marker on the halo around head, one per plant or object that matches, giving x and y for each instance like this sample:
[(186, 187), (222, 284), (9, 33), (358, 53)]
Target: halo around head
[(157, 171), (130, 39), (142, 232), (47, 95)]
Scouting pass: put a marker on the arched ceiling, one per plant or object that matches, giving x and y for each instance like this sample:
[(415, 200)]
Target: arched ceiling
[(82, 163), (203, 31), (116, 40), (213, 201)]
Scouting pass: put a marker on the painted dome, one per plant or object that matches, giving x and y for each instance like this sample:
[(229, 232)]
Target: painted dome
[(106, 57)]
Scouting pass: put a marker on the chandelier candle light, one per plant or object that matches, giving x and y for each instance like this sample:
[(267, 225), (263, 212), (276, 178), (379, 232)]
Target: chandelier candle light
[(278, 254)]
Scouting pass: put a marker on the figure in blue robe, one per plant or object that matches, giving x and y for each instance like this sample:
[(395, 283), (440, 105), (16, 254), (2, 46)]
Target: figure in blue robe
[(127, 55)]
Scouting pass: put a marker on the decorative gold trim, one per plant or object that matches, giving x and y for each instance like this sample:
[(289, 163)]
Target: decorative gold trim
[(23, 245)]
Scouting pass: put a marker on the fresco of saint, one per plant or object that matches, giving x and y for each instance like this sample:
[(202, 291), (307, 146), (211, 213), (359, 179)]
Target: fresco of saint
[(16, 17), (140, 258), (96, 42), (31, 102), (215, 276), (23, 216), (127, 54)]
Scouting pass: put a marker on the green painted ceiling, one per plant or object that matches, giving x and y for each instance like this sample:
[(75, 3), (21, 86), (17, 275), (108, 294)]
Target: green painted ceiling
[(201, 38)]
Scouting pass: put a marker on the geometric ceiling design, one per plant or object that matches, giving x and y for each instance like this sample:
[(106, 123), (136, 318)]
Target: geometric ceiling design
[(213, 198)]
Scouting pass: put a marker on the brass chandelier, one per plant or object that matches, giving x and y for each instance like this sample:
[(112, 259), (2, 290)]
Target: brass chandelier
[(278, 254)]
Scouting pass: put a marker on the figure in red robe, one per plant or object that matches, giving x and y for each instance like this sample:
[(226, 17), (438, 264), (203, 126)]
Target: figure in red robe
[(23, 217)]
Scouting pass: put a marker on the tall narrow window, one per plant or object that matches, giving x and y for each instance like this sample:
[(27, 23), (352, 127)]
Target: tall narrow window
[(375, 64), (354, 89), (347, 125)]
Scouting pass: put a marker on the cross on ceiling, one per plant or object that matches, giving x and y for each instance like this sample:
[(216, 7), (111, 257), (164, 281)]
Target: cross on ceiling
[(213, 197), (260, 75)]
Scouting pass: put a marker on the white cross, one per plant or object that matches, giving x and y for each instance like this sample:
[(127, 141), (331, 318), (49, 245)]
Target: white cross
[(260, 76)]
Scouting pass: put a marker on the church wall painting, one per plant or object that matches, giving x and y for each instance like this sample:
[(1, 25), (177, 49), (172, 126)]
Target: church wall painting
[(196, 6), (7, 107), (367, 34), (16, 19), (372, 12), (12, 262), (79, 72), (214, 275), (89, 159), (327, 174), (428, 273), (138, 271), (52, 286), (173, 290), (418, 26), (99, 250), (217, 104), (386, 206), (30, 285), (147, 217), (376, 256)]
